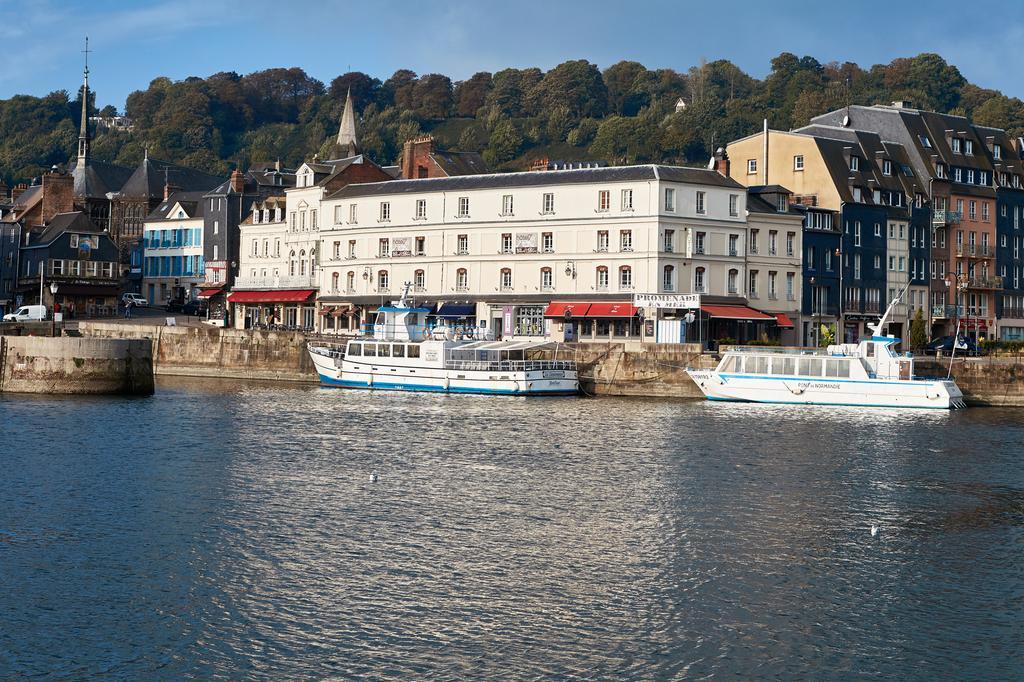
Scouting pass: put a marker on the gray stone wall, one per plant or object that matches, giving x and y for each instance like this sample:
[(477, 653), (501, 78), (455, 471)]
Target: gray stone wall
[(62, 365)]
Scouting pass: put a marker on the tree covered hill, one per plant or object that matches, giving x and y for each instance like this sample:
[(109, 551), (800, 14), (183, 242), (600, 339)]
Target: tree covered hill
[(626, 114)]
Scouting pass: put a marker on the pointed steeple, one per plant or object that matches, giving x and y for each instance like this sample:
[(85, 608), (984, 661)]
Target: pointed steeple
[(83, 134), (347, 142)]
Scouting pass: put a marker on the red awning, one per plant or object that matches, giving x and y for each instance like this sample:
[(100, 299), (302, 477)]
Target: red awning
[(612, 310), (736, 312), (279, 296), (327, 310), (560, 308), (782, 319), (207, 293)]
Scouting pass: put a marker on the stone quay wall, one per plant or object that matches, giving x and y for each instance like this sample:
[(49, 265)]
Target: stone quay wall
[(634, 369), (62, 365), (201, 351), (989, 380)]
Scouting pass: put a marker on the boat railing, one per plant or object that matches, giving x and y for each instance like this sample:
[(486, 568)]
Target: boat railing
[(327, 351), (774, 350), (511, 365)]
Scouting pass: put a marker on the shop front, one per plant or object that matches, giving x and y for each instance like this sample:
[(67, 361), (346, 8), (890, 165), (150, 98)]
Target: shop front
[(735, 324), (339, 319), (594, 321), (289, 309)]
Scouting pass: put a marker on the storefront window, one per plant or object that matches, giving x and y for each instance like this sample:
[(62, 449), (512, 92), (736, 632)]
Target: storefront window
[(529, 321)]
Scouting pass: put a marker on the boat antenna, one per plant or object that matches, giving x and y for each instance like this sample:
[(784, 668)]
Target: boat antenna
[(876, 329)]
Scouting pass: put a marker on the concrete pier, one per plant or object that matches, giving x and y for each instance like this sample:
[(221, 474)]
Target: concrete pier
[(67, 365)]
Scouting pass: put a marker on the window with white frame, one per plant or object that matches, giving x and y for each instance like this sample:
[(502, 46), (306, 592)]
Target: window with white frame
[(699, 240), (734, 241), (753, 241), (385, 211), (997, 151), (338, 214), (668, 278), (670, 199), (383, 280), (627, 200), (506, 205), (602, 278), (752, 283), (506, 242), (604, 200), (790, 286), (419, 280), (462, 279), (506, 279), (625, 278), (886, 167), (856, 233), (312, 220), (669, 241), (421, 246), (625, 240), (547, 279), (547, 242), (351, 248), (751, 166), (463, 207), (955, 145), (700, 280), (773, 238), (335, 279), (421, 209), (462, 245), (855, 163), (336, 254), (790, 243), (602, 241), (798, 162), (701, 206), (732, 281), (773, 277), (548, 203), (734, 205), (353, 214), (383, 247), (856, 266), (969, 147)]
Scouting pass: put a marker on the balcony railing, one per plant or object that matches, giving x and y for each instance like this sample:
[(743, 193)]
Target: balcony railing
[(985, 283), (947, 311), (285, 282), (944, 217)]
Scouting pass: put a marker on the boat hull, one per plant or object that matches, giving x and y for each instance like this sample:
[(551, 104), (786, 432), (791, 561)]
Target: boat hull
[(918, 393), (342, 373)]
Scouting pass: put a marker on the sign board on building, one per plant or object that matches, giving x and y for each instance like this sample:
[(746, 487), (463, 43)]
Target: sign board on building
[(526, 242), (401, 246), (677, 301)]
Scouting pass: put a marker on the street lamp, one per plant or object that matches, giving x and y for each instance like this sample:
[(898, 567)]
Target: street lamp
[(841, 336), (53, 309)]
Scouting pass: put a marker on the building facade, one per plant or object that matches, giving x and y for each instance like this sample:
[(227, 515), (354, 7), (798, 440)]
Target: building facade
[(543, 254), (172, 238)]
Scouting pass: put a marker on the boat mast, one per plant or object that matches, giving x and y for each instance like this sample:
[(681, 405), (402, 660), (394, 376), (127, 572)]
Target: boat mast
[(876, 329)]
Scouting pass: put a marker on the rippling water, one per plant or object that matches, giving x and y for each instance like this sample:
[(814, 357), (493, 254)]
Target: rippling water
[(217, 530)]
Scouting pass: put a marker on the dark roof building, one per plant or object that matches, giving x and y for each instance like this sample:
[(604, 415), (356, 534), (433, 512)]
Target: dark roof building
[(422, 159)]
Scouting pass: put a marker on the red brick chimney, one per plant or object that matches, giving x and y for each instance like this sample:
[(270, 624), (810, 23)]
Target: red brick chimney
[(237, 181), (170, 189), (416, 161), (18, 190), (722, 161), (58, 195)]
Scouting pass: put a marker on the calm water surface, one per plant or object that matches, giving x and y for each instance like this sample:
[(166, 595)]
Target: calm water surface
[(224, 530)]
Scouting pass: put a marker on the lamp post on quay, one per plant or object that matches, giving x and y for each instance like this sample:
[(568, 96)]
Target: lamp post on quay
[(53, 309)]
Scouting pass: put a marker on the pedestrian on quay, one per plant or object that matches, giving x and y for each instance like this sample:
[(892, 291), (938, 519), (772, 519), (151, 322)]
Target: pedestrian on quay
[(128, 309)]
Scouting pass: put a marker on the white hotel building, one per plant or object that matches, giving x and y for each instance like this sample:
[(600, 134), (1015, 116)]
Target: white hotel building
[(547, 253)]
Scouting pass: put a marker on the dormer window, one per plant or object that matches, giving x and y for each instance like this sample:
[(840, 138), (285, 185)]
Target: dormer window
[(886, 167), (255, 214), (876, 196), (955, 143), (782, 203), (925, 141), (855, 163), (958, 175), (856, 194), (997, 152), (969, 147), (940, 170)]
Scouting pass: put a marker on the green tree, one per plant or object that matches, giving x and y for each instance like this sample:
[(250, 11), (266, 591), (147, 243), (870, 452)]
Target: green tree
[(432, 97), (575, 85), (471, 94), (505, 143), (918, 331)]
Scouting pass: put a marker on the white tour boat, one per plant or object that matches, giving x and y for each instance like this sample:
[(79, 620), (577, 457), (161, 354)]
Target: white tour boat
[(403, 354), (868, 374)]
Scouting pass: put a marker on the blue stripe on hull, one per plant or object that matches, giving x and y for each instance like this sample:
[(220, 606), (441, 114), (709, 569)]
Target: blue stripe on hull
[(389, 386), (800, 402)]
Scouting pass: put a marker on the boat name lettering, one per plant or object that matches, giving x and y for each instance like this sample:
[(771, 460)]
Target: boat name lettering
[(430, 356), (806, 385), (553, 374)]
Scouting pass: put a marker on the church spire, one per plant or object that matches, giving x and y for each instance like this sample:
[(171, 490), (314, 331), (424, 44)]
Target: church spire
[(83, 135), (347, 142)]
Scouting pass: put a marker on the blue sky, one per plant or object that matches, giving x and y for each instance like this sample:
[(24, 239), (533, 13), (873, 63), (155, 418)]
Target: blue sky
[(134, 42)]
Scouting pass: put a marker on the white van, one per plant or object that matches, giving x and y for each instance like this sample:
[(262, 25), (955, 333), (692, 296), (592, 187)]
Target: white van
[(27, 313)]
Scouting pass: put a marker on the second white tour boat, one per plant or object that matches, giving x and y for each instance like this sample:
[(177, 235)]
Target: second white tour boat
[(869, 374)]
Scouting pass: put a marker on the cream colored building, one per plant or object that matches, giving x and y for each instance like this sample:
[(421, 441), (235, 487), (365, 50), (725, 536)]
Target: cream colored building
[(494, 251)]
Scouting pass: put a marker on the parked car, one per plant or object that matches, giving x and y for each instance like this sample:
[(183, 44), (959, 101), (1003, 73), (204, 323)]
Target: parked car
[(173, 306), (944, 344), (137, 300), (27, 313), (195, 308)]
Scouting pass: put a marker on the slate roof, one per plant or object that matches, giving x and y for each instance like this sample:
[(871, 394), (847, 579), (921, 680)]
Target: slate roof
[(65, 222), (460, 163), (28, 198), (697, 176), (192, 202), (149, 178), (255, 178), (98, 178), (756, 203)]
